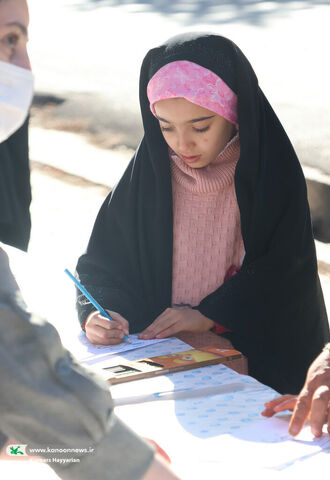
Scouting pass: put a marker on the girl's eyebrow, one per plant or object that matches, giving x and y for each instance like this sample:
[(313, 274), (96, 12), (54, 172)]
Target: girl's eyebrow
[(193, 120), (200, 119)]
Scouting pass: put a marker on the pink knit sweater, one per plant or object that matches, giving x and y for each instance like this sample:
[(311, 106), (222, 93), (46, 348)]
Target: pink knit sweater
[(207, 238)]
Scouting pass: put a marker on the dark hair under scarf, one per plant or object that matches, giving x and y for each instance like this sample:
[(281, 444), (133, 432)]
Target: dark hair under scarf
[(273, 306)]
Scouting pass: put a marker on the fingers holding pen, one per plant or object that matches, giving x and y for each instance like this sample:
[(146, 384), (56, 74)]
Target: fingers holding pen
[(100, 330), (100, 336), (116, 317)]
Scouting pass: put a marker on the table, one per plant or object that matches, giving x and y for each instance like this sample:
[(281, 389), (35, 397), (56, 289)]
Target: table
[(209, 436)]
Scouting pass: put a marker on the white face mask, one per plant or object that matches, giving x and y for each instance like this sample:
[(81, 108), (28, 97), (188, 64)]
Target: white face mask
[(16, 92)]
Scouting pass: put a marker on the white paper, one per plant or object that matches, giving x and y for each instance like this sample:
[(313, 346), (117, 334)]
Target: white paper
[(169, 345), (149, 348), (89, 353)]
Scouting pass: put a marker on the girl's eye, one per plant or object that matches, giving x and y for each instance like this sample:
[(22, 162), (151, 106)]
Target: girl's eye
[(200, 130), (166, 129)]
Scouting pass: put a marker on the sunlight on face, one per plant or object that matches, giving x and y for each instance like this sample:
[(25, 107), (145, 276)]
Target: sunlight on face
[(14, 21), (194, 133)]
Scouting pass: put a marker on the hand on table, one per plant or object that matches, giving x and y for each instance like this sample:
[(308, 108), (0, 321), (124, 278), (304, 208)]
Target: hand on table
[(279, 404), (101, 331), (313, 400), (175, 320)]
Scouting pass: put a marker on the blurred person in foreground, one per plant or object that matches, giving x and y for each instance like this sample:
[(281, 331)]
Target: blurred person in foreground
[(313, 401), (47, 400), (16, 92)]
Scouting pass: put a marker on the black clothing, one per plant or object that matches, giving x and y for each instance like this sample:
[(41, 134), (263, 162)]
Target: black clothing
[(273, 306), (15, 190)]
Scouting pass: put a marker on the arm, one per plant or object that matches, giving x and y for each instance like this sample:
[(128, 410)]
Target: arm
[(48, 400), (104, 274)]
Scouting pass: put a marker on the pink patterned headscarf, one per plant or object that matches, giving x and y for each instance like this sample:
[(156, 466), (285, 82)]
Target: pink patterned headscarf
[(196, 84)]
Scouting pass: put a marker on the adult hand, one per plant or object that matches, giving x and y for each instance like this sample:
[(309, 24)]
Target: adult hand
[(175, 320), (279, 404), (313, 400), (101, 331)]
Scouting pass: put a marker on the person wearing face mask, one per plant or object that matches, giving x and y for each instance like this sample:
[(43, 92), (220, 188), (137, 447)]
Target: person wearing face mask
[(46, 398), (16, 92)]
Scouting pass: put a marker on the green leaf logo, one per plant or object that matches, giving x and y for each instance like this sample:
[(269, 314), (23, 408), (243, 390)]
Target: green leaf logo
[(16, 450)]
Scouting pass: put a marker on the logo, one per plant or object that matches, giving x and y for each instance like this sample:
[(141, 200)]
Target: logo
[(16, 450)]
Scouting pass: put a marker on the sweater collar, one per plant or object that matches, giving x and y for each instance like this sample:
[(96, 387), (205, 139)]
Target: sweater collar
[(211, 179)]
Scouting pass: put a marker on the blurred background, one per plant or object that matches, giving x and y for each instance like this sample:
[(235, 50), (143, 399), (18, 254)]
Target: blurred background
[(88, 53), (85, 120)]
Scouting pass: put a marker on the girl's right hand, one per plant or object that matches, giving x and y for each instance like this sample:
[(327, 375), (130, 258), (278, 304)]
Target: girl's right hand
[(100, 330)]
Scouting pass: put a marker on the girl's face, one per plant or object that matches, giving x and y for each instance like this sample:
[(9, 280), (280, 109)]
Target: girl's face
[(194, 133), (14, 21)]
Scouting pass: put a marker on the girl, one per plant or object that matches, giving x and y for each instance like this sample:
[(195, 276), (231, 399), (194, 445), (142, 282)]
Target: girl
[(209, 226)]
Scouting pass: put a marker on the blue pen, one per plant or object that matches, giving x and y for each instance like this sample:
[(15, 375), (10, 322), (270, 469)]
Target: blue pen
[(92, 300)]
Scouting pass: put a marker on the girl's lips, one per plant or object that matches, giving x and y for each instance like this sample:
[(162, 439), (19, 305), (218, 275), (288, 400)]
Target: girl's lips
[(191, 159)]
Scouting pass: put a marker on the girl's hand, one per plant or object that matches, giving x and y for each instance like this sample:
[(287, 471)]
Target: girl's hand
[(279, 404), (175, 320), (101, 331)]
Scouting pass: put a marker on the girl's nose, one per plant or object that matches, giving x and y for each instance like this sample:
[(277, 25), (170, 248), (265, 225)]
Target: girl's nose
[(185, 142)]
